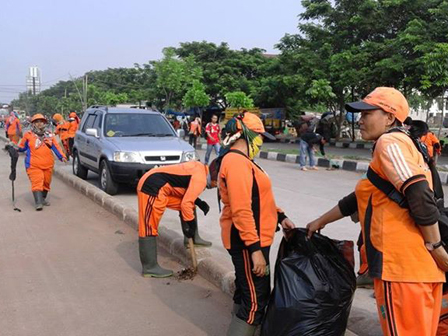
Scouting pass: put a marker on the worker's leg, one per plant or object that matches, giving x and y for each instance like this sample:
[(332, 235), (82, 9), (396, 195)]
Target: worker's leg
[(48, 173), (252, 292), (150, 209), (37, 177), (411, 309), (442, 329)]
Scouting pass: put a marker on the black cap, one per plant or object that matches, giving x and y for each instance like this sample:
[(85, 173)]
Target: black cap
[(360, 106)]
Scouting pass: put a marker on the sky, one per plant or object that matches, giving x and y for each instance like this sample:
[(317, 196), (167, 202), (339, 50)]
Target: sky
[(68, 38)]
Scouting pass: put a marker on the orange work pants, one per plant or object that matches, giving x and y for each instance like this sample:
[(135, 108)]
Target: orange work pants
[(151, 209), (407, 308), (40, 178), (443, 321)]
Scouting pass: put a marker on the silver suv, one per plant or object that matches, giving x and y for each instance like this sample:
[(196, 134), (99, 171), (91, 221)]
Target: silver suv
[(123, 144)]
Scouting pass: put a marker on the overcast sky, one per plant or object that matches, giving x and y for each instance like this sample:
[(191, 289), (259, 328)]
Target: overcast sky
[(72, 37)]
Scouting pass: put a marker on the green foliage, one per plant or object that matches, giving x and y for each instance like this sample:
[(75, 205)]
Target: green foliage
[(196, 96), (239, 99)]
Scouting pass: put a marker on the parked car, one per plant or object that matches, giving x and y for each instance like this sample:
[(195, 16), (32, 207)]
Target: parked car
[(121, 144)]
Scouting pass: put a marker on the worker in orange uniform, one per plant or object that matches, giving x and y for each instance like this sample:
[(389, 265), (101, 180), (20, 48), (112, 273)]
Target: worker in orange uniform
[(74, 124), (175, 187), (39, 145), (62, 127), (13, 128), (405, 253), (195, 131), (248, 221)]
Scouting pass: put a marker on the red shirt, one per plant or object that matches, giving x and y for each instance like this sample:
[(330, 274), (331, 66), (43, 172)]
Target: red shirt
[(213, 133)]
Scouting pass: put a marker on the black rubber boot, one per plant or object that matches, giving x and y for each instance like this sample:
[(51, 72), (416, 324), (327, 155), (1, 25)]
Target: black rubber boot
[(44, 196), (198, 241), (238, 327), (148, 257), (38, 200)]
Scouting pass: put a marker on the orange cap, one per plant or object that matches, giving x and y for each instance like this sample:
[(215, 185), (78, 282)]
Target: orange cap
[(57, 117), (72, 115), (38, 116), (254, 123), (386, 98)]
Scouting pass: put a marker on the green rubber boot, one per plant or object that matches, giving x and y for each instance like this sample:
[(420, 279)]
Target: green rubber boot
[(148, 257), (44, 196), (38, 200), (198, 241), (238, 327)]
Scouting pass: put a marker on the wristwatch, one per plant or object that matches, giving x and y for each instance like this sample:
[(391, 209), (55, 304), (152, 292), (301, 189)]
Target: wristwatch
[(431, 247)]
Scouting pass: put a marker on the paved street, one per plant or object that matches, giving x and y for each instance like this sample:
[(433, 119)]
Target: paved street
[(302, 195), (73, 270)]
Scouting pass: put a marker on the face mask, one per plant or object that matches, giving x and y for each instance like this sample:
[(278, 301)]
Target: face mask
[(255, 147)]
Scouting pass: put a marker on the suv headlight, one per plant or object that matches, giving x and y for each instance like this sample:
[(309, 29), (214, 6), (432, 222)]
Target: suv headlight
[(189, 156), (127, 157)]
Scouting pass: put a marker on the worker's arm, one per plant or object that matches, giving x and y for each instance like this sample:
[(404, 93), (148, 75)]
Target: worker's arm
[(197, 185), (346, 207), (58, 151), (23, 144)]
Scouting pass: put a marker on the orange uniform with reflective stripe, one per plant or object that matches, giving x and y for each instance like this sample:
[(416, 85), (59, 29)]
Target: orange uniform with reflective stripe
[(249, 216), (175, 187), (429, 139), (395, 247)]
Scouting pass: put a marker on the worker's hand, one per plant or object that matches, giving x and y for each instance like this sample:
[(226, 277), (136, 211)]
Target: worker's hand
[(188, 228), (287, 224), (203, 206), (314, 226), (259, 263), (64, 160), (441, 258)]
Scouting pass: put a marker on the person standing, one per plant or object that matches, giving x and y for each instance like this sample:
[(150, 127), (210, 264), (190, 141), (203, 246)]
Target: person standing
[(175, 187), (195, 131), (248, 220), (74, 124), (13, 129), (405, 253), (39, 145), (61, 130), (213, 138)]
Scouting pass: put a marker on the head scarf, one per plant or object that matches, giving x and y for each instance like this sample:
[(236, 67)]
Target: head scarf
[(236, 129)]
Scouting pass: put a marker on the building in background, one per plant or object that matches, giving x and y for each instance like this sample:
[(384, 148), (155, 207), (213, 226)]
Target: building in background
[(33, 81)]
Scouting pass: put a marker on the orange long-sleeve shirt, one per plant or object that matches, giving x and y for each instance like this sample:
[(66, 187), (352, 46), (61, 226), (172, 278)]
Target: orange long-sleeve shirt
[(431, 142), (249, 217), (62, 130), (73, 128), (13, 126), (183, 183), (39, 150)]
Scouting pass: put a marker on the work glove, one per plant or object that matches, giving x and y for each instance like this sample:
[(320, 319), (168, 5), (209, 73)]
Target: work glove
[(202, 205), (188, 228)]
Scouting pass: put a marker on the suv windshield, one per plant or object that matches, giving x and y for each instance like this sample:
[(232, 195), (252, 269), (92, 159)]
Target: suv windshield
[(136, 124)]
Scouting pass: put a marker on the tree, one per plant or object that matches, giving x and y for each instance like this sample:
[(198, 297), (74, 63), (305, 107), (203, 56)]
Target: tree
[(436, 66), (196, 97), (239, 100)]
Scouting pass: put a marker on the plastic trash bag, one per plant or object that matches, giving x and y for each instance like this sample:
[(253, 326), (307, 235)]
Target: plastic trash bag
[(313, 288)]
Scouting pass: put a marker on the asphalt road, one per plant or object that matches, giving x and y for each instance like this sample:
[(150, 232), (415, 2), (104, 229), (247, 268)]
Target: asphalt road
[(73, 270)]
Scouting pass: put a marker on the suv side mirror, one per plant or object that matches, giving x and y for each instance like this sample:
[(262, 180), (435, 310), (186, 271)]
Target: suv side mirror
[(92, 132), (180, 133)]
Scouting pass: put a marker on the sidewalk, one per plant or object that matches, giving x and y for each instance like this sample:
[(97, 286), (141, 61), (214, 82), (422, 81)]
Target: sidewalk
[(73, 270)]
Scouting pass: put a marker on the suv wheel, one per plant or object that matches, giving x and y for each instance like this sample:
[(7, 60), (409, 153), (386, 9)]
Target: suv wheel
[(106, 182), (78, 169)]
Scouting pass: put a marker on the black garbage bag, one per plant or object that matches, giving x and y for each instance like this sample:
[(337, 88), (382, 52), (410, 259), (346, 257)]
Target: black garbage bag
[(313, 290), (14, 158)]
